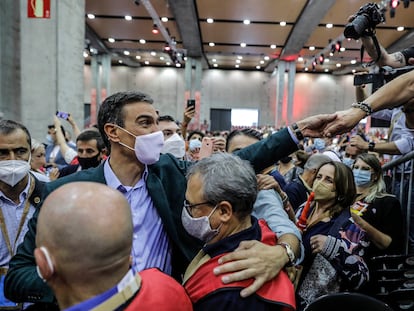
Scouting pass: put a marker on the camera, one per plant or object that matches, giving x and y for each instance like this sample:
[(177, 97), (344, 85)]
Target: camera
[(368, 17)]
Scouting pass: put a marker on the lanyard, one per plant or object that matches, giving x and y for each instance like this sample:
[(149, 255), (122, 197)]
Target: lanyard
[(22, 220)]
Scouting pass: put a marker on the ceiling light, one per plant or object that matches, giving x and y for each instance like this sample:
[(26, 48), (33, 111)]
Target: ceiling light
[(329, 25), (153, 53), (146, 62), (321, 59), (210, 20), (120, 61), (211, 44), (85, 54), (243, 45), (215, 65), (262, 62), (128, 17), (400, 28), (126, 53), (327, 60), (273, 46), (138, 57), (311, 48), (353, 62), (283, 23), (111, 40), (214, 60), (142, 41), (258, 67), (353, 70), (331, 54), (168, 63), (338, 65), (239, 57), (342, 49), (178, 65), (326, 70), (300, 59), (167, 47), (164, 19), (266, 58), (155, 29), (162, 58), (306, 68), (246, 22), (237, 66), (238, 61), (185, 58), (91, 16)]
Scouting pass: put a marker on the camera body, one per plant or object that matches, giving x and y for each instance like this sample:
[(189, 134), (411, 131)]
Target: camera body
[(368, 17)]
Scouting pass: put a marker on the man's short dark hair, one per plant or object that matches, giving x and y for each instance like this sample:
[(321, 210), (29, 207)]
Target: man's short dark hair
[(166, 118), (9, 126), (92, 134)]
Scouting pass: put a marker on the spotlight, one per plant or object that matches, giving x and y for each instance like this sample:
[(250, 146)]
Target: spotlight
[(321, 59), (394, 3), (155, 29), (167, 47), (338, 46), (314, 64)]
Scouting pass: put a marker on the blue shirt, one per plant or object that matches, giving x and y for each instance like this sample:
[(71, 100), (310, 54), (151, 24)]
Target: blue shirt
[(150, 246)]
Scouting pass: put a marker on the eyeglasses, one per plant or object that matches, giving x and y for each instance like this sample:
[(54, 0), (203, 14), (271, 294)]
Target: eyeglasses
[(188, 206)]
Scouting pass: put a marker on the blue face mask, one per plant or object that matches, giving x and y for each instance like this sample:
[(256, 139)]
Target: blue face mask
[(348, 161), (362, 177)]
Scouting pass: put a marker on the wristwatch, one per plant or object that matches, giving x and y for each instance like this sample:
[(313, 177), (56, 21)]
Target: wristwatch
[(290, 253), (371, 146)]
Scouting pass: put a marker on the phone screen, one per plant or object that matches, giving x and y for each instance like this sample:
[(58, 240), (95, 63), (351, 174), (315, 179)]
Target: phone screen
[(62, 115)]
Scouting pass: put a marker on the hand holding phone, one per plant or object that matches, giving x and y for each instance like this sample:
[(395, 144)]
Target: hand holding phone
[(206, 147), (191, 103), (62, 115)]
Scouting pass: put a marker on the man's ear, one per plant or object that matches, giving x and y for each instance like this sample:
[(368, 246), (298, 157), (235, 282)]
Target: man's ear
[(111, 131), (225, 211), (44, 263)]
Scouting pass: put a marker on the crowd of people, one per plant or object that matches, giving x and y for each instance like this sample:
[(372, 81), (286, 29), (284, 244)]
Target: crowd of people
[(136, 213)]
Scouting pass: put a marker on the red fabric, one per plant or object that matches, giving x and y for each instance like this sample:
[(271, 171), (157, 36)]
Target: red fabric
[(159, 291), (301, 223), (279, 290)]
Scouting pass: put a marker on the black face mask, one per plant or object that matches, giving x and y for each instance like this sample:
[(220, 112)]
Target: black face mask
[(285, 160), (86, 163)]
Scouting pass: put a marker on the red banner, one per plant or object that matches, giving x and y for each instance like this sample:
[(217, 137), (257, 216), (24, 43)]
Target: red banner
[(38, 8)]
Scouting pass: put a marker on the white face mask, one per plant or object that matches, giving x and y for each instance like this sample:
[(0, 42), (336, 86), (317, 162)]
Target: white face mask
[(147, 147), (13, 171), (174, 145), (200, 227)]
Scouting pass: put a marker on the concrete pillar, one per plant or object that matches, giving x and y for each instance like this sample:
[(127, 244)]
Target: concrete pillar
[(42, 63), (193, 76), (291, 91), (280, 92)]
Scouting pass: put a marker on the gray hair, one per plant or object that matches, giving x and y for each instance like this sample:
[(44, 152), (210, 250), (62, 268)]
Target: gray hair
[(315, 161), (226, 177)]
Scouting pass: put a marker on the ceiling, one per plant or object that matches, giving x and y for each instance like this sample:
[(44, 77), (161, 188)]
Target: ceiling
[(267, 41)]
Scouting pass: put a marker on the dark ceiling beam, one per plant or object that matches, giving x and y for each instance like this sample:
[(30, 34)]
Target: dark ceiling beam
[(308, 20), (185, 15)]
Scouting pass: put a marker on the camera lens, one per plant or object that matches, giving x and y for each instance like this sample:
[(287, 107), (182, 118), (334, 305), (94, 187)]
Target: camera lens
[(355, 29)]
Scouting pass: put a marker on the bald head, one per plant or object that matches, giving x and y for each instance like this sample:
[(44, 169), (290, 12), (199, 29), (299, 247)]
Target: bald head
[(86, 226)]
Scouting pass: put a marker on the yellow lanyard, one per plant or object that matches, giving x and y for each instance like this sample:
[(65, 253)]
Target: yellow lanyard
[(22, 220)]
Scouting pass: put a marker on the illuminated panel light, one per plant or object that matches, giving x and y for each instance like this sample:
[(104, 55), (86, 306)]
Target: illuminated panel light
[(266, 58), (146, 62), (283, 23), (342, 49), (311, 48), (215, 65), (126, 53), (210, 20), (353, 62), (239, 57), (91, 16), (237, 65), (246, 22), (128, 17), (153, 53), (238, 61), (111, 40), (273, 46), (329, 26), (400, 28), (120, 61), (142, 41), (211, 44), (243, 45), (300, 59), (258, 67), (214, 60), (326, 70), (164, 19), (138, 57), (338, 65), (178, 65), (262, 62), (168, 63)]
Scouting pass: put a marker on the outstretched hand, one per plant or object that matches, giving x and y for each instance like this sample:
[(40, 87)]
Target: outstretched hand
[(344, 121), (314, 126), (252, 259)]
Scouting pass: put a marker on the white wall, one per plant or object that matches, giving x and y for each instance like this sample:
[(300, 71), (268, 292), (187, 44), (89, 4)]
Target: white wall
[(313, 94)]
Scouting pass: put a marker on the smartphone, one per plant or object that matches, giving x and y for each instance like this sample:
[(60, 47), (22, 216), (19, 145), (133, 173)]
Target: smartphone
[(206, 147), (62, 115), (191, 103)]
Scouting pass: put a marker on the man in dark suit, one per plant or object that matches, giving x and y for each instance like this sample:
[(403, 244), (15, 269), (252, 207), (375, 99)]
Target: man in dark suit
[(155, 188)]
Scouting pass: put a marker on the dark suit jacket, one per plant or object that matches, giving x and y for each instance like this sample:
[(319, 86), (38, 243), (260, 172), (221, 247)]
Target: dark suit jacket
[(166, 185), (67, 170)]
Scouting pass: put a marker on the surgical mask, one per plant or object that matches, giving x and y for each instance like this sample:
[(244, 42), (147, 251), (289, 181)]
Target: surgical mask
[(86, 163), (147, 147), (348, 162), (13, 171), (194, 144), (322, 191), (319, 144), (200, 227), (174, 145), (362, 177), (49, 139)]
